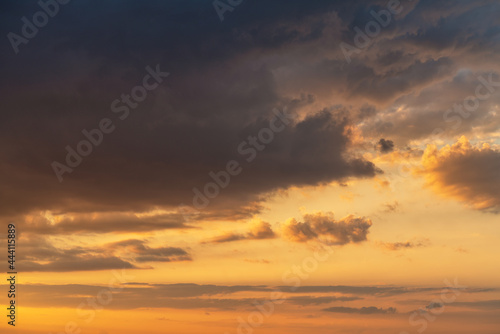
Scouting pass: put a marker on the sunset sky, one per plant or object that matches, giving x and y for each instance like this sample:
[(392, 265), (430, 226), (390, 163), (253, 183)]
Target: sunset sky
[(237, 166)]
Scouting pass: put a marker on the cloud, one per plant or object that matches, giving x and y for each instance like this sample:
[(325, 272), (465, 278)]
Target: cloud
[(257, 261), (324, 227), (43, 256), (77, 263), (134, 295), (379, 291), (480, 304), (144, 253), (259, 230), (298, 232), (385, 146), (434, 305), (396, 246), (307, 152), (306, 300), (362, 310), (434, 112), (192, 124), (464, 172), (99, 222)]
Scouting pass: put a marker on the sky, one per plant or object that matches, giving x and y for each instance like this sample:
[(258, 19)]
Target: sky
[(237, 166)]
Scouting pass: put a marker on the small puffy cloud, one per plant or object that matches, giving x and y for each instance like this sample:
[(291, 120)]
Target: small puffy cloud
[(362, 310), (78, 263), (322, 226), (44, 256), (465, 172), (385, 146)]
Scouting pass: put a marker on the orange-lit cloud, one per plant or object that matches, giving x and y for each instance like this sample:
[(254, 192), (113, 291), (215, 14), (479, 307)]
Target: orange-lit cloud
[(465, 172), (259, 230), (324, 227)]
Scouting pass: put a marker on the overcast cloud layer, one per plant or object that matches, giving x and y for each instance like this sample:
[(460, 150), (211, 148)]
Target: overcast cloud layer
[(225, 80)]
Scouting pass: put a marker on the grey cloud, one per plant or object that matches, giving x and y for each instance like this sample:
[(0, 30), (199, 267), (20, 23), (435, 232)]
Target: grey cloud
[(191, 296), (42, 256), (362, 310), (385, 146), (434, 305)]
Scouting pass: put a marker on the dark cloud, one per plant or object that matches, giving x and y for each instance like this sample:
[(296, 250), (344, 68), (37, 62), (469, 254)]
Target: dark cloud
[(385, 146), (434, 305), (225, 80), (189, 126), (40, 254), (385, 87)]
